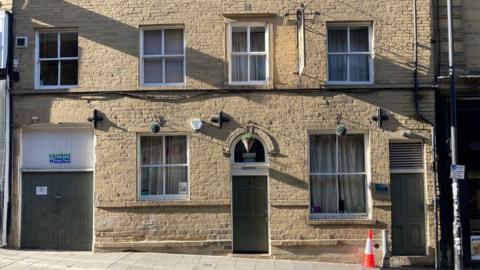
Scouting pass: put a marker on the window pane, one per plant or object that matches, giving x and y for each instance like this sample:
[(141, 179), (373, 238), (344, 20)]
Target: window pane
[(153, 70), (176, 149), (359, 39), (176, 180), (351, 153), (360, 67), (323, 194), (152, 181), (257, 67), (68, 44), (322, 154), (352, 194), (239, 68), (152, 42), (257, 39), (337, 67), (69, 72), (337, 40), (174, 41), (255, 154), (239, 39), (174, 70), (48, 45), (48, 72), (151, 148)]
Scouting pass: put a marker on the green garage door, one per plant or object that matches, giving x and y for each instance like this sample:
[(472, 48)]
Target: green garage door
[(57, 210)]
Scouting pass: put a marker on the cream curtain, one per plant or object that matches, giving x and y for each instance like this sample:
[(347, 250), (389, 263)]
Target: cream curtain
[(155, 170), (240, 63), (348, 57), (175, 154), (343, 189), (322, 160)]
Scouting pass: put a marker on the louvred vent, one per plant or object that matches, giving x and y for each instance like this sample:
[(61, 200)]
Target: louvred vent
[(406, 156)]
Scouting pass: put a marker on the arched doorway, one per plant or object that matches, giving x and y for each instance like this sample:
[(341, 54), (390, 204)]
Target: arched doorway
[(249, 169)]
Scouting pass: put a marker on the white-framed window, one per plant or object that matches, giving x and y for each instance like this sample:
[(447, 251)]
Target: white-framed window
[(349, 50), (338, 181), (163, 167), (56, 59), (162, 56), (248, 53)]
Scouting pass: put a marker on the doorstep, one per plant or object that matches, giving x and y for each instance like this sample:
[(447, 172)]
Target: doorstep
[(252, 255)]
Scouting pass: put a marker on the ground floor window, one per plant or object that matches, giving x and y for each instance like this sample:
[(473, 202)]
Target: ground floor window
[(337, 175), (163, 167)]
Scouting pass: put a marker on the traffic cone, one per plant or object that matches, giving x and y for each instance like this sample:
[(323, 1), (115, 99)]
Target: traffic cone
[(369, 261)]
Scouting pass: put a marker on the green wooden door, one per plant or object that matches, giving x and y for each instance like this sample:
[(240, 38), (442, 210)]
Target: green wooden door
[(250, 214), (57, 210), (408, 214)]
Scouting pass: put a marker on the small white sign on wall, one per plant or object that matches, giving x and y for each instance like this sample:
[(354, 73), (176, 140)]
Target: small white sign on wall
[(41, 190), (182, 187)]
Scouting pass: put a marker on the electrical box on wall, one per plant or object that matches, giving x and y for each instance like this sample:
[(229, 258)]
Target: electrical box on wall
[(381, 188)]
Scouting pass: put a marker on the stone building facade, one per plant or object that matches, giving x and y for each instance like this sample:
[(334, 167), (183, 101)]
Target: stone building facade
[(146, 65)]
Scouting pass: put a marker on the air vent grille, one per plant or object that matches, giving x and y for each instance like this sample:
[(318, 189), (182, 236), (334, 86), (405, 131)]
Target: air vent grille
[(406, 156)]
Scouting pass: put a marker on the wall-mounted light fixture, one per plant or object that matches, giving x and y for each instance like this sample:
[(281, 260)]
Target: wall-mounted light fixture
[(341, 129), (95, 118), (196, 124), (219, 118), (379, 117), (154, 127)]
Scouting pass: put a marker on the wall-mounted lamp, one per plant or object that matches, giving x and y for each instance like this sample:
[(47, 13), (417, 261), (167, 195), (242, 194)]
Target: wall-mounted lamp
[(379, 117), (196, 124), (219, 118), (407, 134), (95, 118), (341, 130), (154, 127)]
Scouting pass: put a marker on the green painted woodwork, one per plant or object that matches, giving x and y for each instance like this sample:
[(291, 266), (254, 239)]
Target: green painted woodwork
[(250, 214), (408, 214), (61, 219)]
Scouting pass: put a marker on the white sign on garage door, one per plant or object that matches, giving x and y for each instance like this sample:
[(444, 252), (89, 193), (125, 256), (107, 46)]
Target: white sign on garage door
[(57, 148)]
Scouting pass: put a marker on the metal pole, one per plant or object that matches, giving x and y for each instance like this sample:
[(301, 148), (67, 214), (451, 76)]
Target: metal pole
[(435, 195), (457, 225)]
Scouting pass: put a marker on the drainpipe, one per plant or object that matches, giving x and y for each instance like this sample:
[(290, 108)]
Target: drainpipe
[(8, 133), (421, 117)]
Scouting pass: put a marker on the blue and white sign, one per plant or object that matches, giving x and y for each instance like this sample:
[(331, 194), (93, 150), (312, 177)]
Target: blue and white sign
[(457, 171), (59, 158)]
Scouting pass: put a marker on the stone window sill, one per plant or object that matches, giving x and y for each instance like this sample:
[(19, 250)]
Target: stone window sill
[(169, 203), (359, 221)]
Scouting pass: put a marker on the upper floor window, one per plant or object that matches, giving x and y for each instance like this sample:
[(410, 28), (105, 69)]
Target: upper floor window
[(248, 54), (337, 175), (163, 167), (162, 56), (56, 57), (349, 54)]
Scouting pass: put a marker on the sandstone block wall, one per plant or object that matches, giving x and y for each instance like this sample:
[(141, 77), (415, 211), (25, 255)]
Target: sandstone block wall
[(109, 63)]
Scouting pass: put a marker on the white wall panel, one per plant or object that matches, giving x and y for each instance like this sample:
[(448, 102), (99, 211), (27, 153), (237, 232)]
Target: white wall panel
[(40, 144)]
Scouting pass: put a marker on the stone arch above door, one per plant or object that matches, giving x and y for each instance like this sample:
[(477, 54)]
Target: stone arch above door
[(264, 137)]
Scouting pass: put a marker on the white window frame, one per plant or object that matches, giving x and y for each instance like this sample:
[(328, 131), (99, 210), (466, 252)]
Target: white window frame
[(161, 56), (338, 215), (348, 53), (140, 166), (58, 58), (230, 53)]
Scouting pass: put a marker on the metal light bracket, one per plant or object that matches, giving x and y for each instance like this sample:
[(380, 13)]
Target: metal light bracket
[(95, 118)]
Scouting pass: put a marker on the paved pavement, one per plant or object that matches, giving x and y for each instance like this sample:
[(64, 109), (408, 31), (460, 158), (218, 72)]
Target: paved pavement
[(15, 259)]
